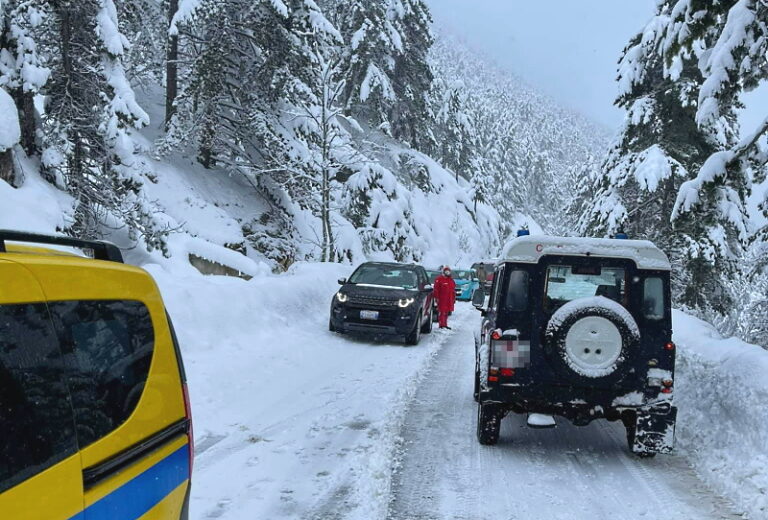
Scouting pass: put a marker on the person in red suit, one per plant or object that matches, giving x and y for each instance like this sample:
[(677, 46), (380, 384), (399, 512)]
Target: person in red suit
[(445, 294)]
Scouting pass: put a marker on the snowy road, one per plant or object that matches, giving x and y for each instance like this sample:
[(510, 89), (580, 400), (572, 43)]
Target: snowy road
[(562, 473)]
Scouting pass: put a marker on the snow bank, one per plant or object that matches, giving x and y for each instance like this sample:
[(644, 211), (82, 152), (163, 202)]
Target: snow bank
[(36, 205), (722, 393)]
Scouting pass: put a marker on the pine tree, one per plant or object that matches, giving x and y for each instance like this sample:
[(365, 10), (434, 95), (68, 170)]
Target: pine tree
[(22, 69), (91, 112), (374, 44), (480, 181), (728, 41), (143, 24), (411, 116), (456, 130), (660, 148)]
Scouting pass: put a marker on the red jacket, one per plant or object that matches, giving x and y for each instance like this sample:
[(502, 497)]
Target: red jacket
[(445, 293)]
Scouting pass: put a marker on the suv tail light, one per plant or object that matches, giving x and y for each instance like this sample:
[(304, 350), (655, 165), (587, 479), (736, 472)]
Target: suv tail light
[(669, 346)]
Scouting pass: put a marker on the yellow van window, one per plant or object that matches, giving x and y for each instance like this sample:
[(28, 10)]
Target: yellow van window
[(36, 427), (111, 343)]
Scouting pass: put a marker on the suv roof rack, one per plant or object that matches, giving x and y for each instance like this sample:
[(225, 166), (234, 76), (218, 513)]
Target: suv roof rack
[(102, 250)]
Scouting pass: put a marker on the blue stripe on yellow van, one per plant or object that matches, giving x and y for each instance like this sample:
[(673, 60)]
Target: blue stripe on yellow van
[(140, 494)]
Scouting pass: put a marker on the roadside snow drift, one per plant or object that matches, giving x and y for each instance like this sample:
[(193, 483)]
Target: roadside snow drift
[(722, 394)]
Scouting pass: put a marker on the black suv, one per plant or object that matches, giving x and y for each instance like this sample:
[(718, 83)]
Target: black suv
[(384, 299), (582, 329)]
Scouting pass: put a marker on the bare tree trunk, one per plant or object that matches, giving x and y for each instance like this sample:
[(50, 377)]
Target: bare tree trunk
[(6, 166), (171, 67), (328, 246)]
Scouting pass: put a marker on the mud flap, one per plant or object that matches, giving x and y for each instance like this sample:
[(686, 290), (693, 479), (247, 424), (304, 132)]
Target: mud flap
[(654, 430)]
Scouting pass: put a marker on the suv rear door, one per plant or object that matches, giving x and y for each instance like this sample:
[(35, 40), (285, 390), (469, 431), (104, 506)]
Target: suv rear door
[(40, 469)]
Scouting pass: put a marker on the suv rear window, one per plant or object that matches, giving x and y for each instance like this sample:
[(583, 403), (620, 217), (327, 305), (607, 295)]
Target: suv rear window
[(36, 427), (112, 344), (653, 299), (517, 291), (566, 283)]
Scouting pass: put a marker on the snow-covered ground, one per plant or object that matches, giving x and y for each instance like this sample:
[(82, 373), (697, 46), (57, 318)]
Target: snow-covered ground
[(288, 416)]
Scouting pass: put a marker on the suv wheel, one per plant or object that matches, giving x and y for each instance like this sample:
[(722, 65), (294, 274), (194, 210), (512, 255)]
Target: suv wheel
[(488, 423), (415, 336), (331, 328), (592, 344), (427, 327)]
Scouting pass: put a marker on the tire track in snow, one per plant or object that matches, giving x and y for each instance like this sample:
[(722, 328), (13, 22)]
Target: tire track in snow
[(365, 492)]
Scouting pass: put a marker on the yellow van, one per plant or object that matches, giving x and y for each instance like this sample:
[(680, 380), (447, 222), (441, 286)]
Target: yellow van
[(95, 421)]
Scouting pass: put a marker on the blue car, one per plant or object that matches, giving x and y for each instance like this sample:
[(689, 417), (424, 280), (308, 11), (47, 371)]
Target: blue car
[(467, 283)]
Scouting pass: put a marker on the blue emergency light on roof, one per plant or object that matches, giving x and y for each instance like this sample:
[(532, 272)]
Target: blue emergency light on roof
[(523, 232), (621, 236)]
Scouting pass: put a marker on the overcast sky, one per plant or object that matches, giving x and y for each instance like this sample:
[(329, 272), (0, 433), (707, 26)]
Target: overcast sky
[(566, 48)]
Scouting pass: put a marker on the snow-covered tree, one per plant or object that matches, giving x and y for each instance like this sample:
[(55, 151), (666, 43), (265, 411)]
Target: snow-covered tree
[(23, 72), (727, 41), (518, 134), (144, 25), (374, 43), (411, 117), (91, 112), (380, 209), (480, 180), (650, 184), (456, 130)]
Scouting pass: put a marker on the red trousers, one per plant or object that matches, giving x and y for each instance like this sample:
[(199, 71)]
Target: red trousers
[(442, 319)]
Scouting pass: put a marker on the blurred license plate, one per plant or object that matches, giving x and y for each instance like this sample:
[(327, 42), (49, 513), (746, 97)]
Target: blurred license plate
[(369, 315)]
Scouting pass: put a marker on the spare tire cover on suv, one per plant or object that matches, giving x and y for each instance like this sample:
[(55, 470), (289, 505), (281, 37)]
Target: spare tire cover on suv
[(591, 339)]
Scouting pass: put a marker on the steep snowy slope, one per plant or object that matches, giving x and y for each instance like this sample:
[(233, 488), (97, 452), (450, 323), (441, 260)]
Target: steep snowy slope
[(534, 148)]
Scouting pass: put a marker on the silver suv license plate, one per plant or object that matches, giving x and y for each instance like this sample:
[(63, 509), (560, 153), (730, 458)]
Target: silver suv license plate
[(369, 315)]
